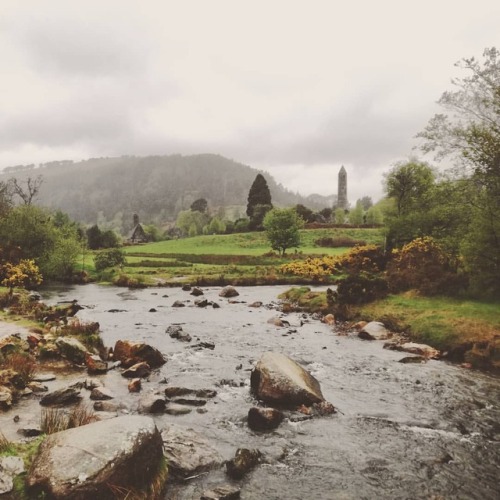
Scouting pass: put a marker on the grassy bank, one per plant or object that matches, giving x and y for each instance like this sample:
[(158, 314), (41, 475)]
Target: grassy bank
[(468, 330), (243, 258)]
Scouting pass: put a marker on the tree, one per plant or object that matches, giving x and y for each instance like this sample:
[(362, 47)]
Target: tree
[(31, 189), (282, 228), (366, 203), (259, 202), (356, 214), (191, 223), (374, 216), (200, 205), (109, 258), (468, 133), (5, 197), (339, 216), (407, 183), (24, 274), (306, 214)]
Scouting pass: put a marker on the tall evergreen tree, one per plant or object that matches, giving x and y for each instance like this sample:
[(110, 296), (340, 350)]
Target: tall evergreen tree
[(259, 202)]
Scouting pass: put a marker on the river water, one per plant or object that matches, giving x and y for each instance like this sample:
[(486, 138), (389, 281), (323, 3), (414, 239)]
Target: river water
[(403, 431)]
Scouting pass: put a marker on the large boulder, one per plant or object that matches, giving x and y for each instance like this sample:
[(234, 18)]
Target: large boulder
[(72, 349), (228, 292), (187, 452), (374, 331), (10, 467), (131, 353), (278, 380), (61, 397), (97, 460)]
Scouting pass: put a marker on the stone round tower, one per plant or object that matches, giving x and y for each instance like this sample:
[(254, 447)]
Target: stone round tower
[(342, 194)]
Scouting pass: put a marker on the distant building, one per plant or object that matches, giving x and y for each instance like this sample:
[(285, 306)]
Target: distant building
[(137, 235), (342, 196)]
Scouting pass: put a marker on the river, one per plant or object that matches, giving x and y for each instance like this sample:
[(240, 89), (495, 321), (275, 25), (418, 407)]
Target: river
[(403, 431)]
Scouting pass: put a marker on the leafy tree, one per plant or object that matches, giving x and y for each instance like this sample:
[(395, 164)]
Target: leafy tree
[(109, 239), (259, 201), (326, 213), (374, 216), (109, 258), (469, 134), (282, 228), (5, 197), (199, 205), (94, 237), (191, 222), (366, 203), (339, 216), (407, 183), (216, 226), (356, 214), (306, 214)]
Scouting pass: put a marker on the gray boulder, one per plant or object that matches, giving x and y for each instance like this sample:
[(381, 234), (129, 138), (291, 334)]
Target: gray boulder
[(187, 452), (243, 461), (131, 353), (374, 331), (152, 403), (97, 460), (138, 370), (228, 292), (72, 349), (10, 467), (264, 419), (278, 380), (61, 397)]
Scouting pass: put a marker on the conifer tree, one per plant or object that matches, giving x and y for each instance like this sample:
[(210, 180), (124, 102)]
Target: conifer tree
[(259, 202)]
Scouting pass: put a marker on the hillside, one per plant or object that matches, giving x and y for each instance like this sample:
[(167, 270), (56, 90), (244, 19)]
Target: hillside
[(155, 187)]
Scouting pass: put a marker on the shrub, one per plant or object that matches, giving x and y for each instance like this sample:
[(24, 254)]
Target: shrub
[(21, 363), (339, 242), (363, 259), (423, 265), (109, 258), (54, 420), (361, 289)]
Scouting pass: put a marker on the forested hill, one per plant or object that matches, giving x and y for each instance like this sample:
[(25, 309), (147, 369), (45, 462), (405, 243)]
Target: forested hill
[(155, 187)]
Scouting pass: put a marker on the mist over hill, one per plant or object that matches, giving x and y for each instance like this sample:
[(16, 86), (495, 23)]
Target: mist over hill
[(109, 190)]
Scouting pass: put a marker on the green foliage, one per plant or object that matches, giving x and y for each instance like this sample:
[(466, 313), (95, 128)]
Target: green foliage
[(423, 265), (340, 242), (282, 228), (199, 205), (356, 215), (259, 202), (109, 258), (216, 226), (340, 216), (24, 274), (360, 288), (306, 214), (97, 239), (191, 222), (374, 216)]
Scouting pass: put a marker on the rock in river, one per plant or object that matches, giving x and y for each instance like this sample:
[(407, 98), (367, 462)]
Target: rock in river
[(374, 331), (228, 292), (130, 353), (97, 460), (264, 419), (277, 379)]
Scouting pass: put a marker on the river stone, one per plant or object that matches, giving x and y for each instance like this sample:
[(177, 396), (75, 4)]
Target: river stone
[(196, 291), (83, 462), (152, 403), (9, 468), (135, 385), (374, 331), (43, 377), (5, 397), (277, 379), (138, 370), (178, 303), (201, 302), (95, 364), (223, 492), (187, 452), (72, 349), (101, 394), (228, 292), (64, 396), (420, 349), (264, 419), (244, 461), (177, 409), (37, 387), (131, 353)]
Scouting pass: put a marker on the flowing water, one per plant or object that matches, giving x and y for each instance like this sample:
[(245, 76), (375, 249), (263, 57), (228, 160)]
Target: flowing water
[(403, 431)]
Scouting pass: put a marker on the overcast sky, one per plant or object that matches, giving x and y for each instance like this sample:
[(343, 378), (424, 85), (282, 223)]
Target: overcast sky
[(295, 88)]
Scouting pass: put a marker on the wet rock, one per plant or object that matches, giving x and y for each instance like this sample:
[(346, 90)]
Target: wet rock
[(178, 303), (255, 304), (172, 392), (187, 452), (95, 364), (374, 331), (72, 349), (189, 401), (96, 460), (359, 325), (176, 332), (177, 409), (420, 349), (10, 467), (202, 345), (223, 492), (228, 292), (131, 353), (139, 370), (196, 291), (243, 462), (186, 288), (201, 303), (37, 387), (135, 385), (153, 310), (264, 419), (109, 406), (32, 430), (276, 321), (61, 397), (413, 359), (277, 379), (329, 319), (92, 383), (323, 409), (214, 305), (152, 403), (34, 339), (5, 397), (101, 394), (43, 377)]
